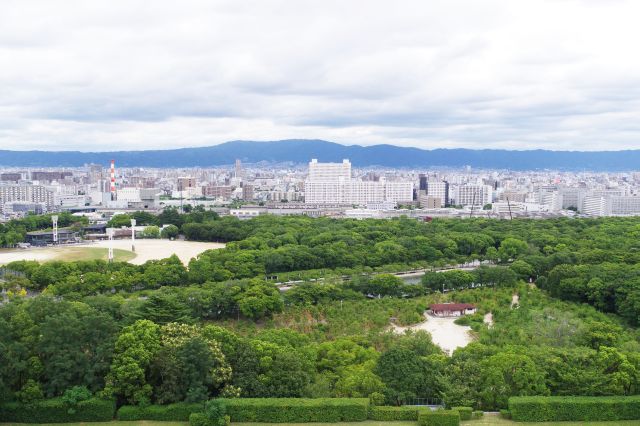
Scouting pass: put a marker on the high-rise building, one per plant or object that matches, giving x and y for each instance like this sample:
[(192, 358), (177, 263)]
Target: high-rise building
[(49, 176), (423, 182), (215, 191), (186, 182), (473, 195), (247, 192), (438, 189), (11, 177), (611, 205), (331, 183), (28, 193), (329, 172)]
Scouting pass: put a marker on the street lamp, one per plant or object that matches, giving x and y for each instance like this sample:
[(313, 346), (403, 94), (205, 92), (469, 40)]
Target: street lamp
[(133, 235), (54, 220), (110, 232)]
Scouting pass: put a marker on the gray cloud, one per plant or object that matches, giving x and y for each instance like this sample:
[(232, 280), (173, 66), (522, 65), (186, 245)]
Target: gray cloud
[(503, 74)]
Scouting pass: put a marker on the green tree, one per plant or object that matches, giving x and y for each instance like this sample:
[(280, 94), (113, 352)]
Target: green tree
[(150, 232), (135, 348), (509, 374), (170, 232), (260, 300)]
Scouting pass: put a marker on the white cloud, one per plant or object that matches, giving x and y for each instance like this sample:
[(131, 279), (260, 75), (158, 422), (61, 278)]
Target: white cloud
[(87, 75)]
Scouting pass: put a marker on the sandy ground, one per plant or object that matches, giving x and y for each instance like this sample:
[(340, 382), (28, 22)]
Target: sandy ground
[(444, 332), (145, 250)]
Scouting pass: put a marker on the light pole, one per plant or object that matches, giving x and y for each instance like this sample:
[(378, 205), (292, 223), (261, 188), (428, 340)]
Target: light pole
[(133, 235), (54, 220), (110, 234)]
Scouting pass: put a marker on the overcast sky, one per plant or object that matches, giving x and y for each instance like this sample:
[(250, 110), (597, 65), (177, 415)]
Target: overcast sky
[(519, 74)]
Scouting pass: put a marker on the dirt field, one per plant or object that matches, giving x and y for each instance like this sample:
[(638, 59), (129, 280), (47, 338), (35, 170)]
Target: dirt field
[(145, 250), (444, 332)]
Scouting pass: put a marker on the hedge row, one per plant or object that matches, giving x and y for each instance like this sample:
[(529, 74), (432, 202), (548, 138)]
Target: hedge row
[(201, 419), (57, 411), (390, 414), (297, 410), (465, 412), (574, 408), (178, 412), (439, 418)]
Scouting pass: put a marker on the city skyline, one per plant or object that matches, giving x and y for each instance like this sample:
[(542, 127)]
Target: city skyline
[(119, 75)]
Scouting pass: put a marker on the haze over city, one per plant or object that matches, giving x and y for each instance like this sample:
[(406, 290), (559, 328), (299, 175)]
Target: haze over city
[(101, 76)]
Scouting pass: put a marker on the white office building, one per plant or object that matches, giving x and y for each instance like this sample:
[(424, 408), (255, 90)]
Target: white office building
[(331, 183), (329, 172), (474, 195), (439, 189), (29, 193), (602, 205), (624, 206)]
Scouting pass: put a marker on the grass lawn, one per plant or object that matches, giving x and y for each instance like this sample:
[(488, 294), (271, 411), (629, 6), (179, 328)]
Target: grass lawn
[(491, 420), (488, 420), (70, 254)]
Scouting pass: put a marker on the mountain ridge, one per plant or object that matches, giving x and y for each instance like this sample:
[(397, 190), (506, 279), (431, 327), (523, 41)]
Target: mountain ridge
[(300, 151)]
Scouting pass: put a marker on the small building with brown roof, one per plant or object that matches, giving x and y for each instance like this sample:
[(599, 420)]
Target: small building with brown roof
[(451, 309)]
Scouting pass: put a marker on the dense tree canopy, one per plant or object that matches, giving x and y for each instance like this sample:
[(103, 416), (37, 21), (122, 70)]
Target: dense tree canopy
[(164, 332)]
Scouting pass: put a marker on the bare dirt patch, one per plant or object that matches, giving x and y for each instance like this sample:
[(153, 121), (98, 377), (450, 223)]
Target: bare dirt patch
[(444, 332), (145, 250)]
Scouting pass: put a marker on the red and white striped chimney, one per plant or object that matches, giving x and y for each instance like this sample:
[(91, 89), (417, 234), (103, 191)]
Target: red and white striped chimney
[(113, 180)]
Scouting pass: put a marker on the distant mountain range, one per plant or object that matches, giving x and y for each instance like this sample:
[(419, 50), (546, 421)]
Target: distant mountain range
[(301, 151)]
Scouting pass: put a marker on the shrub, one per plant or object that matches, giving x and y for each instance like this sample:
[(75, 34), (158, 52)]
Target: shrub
[(465, 412), (439, 418), (178, 412), (464, 320), (376, 398), (201, 419), (76, 394), (390, 414), (574, 408), (297, 410), (57, 411), (505, 414), (477, 414)]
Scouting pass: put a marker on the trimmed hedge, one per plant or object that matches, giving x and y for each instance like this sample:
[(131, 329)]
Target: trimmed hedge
[(439, 418), (574, 408), (57, 411), (465, 412), (477, 414), (390, 414), (505, 414), (297, 410), (178, 412), (201, 419)]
